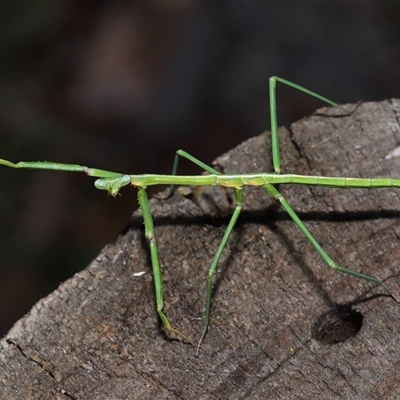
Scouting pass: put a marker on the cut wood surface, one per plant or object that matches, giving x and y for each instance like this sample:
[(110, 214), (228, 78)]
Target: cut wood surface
[(283, 326)]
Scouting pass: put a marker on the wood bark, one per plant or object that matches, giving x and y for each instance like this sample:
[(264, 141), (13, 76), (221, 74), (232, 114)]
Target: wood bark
[(283, 325)]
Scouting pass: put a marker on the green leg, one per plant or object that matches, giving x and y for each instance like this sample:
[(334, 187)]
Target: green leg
[(194, 160), (229, 229), (155, 261), (331, 264), (276, 159)]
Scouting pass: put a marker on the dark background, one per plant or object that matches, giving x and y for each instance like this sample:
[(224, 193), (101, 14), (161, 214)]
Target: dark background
[(123, 85)]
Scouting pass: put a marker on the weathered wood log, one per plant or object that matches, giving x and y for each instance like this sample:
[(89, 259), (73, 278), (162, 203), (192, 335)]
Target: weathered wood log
[(283, 326)]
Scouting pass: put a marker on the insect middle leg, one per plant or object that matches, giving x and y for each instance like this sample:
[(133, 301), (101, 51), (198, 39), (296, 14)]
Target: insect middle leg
[(225, 238), (155, 261)]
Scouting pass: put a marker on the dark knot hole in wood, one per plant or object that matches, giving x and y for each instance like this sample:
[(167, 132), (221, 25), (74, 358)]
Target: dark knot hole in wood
[(337, 325)]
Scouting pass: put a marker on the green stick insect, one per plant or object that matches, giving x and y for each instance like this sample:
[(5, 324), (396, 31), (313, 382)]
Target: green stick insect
[(112, 182)]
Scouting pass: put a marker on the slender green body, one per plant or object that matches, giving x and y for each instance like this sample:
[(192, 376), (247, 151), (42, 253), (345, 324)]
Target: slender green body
[(261, 179), (115, 179), (113, 182)]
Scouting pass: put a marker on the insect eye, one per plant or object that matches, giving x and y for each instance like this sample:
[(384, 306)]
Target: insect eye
[(102, 184)]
